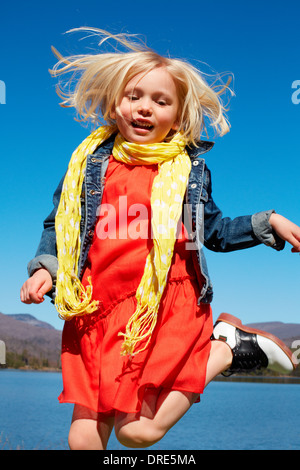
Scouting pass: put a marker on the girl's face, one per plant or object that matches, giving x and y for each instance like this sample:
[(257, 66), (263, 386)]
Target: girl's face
[(148, 109)]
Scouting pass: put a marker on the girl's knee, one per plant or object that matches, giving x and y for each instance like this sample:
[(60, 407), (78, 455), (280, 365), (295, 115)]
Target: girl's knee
[(78, 441), (139, 435), (89, 430), (86, 438)]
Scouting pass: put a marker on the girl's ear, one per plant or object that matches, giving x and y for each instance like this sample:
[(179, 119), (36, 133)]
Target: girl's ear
[(112, 113)]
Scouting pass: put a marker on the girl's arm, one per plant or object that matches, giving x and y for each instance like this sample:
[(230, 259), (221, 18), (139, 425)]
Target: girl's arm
[(43, 267)]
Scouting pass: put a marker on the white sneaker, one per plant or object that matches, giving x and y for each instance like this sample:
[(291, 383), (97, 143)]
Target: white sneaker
[(252, 349)]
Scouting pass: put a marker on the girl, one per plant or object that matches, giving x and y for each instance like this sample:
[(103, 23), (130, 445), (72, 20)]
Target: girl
[(129, 273)]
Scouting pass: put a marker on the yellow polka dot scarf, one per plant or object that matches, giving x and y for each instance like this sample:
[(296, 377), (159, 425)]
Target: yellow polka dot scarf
[(167, 195)]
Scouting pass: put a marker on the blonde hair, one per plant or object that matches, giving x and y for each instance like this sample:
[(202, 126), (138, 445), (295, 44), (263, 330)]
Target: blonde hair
[(104, 76)]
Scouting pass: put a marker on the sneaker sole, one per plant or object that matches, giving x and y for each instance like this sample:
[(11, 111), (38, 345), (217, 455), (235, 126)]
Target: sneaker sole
[(236, 322)]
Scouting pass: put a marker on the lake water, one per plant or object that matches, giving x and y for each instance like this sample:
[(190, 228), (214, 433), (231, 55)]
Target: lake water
[(245, 416)]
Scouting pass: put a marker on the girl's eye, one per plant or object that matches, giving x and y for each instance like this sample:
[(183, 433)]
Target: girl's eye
[(162, 102), (133, 97)]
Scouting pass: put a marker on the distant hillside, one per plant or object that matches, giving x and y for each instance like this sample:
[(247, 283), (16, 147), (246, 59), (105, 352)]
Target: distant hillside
[(37, 344), (30, 320), (30, 341), (287, 332)]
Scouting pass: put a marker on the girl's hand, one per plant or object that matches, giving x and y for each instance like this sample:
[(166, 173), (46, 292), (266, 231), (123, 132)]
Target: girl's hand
[(34, 289), (286, 230)]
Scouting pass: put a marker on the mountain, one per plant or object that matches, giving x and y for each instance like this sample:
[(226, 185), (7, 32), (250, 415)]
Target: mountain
[(30, 320), (287, 332), (30, 341)]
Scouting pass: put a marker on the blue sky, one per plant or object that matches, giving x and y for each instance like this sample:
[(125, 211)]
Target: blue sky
[(254, 167)]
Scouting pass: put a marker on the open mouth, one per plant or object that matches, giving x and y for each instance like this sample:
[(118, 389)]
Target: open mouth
[(142, 125)]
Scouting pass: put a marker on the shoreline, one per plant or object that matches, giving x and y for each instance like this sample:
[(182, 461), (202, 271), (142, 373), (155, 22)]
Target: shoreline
[(31, 369), (234, 378), (286, 379)]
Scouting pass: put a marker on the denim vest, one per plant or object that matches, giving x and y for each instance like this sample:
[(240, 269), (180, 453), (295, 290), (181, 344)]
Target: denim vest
[(201, 217)]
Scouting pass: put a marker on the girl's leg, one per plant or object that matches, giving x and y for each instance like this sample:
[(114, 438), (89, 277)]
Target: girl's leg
[(89, 430), (220, 359), (160, 411)]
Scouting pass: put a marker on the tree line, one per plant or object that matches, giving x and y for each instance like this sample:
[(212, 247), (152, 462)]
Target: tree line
[(26, 360)]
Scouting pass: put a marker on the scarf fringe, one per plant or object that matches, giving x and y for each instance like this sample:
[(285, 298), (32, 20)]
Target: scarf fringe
[(81, 302), (140, 326)]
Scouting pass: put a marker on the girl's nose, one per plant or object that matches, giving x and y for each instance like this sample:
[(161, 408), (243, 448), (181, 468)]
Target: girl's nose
[(145, 108)]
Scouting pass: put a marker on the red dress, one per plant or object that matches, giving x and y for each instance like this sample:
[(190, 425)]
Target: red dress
[(94, 373)]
